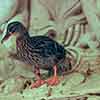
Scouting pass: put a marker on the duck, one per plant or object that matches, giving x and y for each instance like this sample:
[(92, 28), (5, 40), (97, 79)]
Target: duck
[(41, 52)]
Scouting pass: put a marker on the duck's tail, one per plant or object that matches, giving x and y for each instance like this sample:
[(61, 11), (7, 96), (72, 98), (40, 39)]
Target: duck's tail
[(71, 62)]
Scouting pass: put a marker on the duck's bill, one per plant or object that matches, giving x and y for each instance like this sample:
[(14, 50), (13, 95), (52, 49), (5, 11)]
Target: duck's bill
[(5, 38)]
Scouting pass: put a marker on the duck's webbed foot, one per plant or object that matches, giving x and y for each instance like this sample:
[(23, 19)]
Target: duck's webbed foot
[(54, 80), (39, 81)]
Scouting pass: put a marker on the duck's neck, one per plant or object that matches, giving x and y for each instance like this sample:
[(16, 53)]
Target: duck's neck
[(21, 40), (25, 35)]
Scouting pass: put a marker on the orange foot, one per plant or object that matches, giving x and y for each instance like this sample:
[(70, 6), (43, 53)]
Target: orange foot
[(53, 81), (38, 83)]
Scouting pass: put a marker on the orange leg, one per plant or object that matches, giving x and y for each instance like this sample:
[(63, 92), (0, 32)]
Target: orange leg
[(39, 81), (53, 80)]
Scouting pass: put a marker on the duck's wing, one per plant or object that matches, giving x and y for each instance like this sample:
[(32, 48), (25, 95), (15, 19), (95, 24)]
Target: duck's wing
[(47, 47)]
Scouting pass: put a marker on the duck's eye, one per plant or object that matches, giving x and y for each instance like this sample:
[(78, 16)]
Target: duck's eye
[(12, 31)]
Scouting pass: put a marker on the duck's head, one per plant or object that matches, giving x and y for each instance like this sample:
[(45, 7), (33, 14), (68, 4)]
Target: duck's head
[(15, 28)]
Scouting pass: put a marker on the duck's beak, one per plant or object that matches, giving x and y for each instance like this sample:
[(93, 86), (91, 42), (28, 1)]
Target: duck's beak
[(6, 37)]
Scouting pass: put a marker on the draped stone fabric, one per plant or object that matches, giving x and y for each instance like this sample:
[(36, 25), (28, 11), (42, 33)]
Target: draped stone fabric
[(58, 14), (91, 9), (41, 16)]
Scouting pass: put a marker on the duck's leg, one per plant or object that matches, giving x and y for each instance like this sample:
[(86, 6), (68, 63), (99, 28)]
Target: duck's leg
[(54, 80), (39, 81)]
